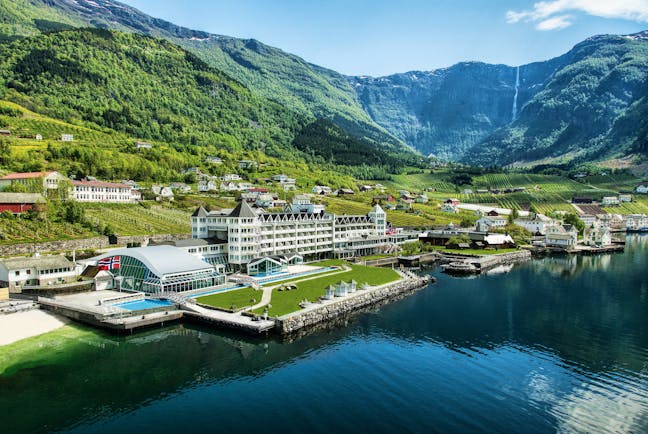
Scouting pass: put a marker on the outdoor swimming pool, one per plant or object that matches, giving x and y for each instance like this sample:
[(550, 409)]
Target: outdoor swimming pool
[(144, 304), (216, 291), (293, 276)]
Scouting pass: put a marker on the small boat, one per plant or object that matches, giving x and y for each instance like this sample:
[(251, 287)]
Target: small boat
[(459, 267)]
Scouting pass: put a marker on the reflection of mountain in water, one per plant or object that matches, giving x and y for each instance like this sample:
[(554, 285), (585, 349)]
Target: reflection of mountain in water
[(589, 311)]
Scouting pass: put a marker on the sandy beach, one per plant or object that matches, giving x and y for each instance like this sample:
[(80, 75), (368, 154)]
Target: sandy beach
[(22, 325)]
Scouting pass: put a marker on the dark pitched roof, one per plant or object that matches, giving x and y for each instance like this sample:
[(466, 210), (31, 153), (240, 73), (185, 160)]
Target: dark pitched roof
[(200, 212), (243, 209)]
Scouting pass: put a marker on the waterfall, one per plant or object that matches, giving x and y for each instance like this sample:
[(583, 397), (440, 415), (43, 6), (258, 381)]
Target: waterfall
[(515, 97)]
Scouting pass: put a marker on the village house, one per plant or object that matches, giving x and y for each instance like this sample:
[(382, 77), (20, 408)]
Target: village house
[(5, 133), (625, 198), (449, 208), (642, 188), (211, 159), (143, 145), (366, 188), (248, 164), (49, 180), (162, 193), (564, 236), (343, 191), (284, 182), (588, 219), (488, 223), (467, 191), (207, 186), (610, 201), (481, 191), (67, 137), (228, 186), (322, 189), (637, 223), (422, 198), (452, 201), (477, 239), (404, 204), (231, 177), (99, 191), (180, 186), (535, 223), (266, 200), (15, 273), (38, 137), (585, 200), (301, 204), (18, 203), (596, 236)]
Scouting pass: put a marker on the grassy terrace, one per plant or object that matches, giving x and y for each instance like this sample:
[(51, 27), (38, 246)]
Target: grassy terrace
[(232, 300), (286, 302)]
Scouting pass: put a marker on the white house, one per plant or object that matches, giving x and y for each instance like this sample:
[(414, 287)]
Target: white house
[(162, 192), (143, 145), (248, 164), (642, 188), (50, 179), (588, 219), (637, 223), (99, 191), (321, 189), (596, 236), (609, 201), (206, 186), (450, 208), (67, 137), (211, 159), (36, 271), (536, 223), (228, 186), (488, 223), (565, 236), (231, 177), (284, 181), (625, 198), (180, 186)]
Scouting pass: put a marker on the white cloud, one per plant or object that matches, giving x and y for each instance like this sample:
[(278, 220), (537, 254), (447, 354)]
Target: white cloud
[(555, 23), (550, 15)]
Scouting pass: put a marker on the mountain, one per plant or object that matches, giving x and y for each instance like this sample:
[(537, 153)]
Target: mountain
[(587, 104), (593, 107), (269, 72)]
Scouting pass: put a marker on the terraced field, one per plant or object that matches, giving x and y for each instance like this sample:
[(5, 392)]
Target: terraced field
[(137, 220)]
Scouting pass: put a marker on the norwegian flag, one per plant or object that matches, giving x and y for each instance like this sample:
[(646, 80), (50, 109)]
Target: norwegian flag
[(111, 263)]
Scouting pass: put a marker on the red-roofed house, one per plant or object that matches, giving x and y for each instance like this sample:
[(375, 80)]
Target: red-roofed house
[(100, 191), (50, 180)]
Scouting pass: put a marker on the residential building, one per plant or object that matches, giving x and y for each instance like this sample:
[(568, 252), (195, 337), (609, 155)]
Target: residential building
[(301, 203), (478, 239), (610, 201), (343, 191), (231, 177), (535, 223), (488, 223), (99, 191), (564, 236), (642, 188), (321, 189), (449, 208), (180, 186), (206, 186), (229, 186), (161, 192), (38, 137), (582, 200), (453, 201), (625, 198), (143, 145), (248, 164), (18, 203), (637, 223), (49, 180), (285, 182), (588, 219), (596, 236), (67, 137), (422, 198), (366, 188), (6, 133), (213, 160), (15, 273)]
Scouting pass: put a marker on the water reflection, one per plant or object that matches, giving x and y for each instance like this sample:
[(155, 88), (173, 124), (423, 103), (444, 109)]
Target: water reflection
[(556, 344)]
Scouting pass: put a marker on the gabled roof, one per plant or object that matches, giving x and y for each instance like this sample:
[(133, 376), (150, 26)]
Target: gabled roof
[(243, 209), (200, 212), (26, 175), (37, 262)]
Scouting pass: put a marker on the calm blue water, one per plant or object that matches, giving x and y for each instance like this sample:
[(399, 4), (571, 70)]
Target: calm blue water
[(555, 345), (144, 304)]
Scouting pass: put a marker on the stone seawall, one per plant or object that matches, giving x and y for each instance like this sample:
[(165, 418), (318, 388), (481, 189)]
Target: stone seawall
[(331, 310), (485, 262), (84, 244)]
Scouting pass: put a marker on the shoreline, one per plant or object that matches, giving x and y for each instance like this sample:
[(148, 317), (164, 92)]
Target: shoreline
[(18, 326)]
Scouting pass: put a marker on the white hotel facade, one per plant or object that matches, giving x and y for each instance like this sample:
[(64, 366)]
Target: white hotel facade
[(99, 191), (250, 234)]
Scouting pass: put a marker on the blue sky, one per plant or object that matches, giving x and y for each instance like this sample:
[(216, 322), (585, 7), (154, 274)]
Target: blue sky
[(381, 37)]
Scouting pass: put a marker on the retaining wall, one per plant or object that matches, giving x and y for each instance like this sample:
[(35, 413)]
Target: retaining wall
[(329, 311)]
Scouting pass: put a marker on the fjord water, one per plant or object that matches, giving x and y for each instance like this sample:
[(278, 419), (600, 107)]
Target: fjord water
[(558, 344)]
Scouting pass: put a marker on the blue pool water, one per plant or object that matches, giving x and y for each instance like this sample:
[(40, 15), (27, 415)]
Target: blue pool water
[(144, 304), (269, 274), (216, 291), (292, 276)]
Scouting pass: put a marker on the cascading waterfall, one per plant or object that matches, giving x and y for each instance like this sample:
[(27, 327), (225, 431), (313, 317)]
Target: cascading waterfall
[(515, 97)]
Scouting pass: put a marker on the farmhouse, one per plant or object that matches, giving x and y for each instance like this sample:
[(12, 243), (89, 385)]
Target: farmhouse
[(642, 188), (18, 203), (48, 180), (36, 271), (490, 222), (565, 236)]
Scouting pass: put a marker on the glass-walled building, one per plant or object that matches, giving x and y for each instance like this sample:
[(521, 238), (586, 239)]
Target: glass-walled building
[(158, 269)]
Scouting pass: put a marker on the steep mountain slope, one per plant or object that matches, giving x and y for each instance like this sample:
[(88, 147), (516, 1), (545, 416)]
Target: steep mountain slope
[(268, 71), (447, 111), (593, 107)]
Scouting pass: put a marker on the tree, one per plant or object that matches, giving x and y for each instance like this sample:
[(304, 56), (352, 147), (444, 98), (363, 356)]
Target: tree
[(573, 219), (5, 152)]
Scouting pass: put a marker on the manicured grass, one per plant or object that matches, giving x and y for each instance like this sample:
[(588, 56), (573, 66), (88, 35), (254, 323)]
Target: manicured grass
[(235, 298), (285, 302), (374, 257)]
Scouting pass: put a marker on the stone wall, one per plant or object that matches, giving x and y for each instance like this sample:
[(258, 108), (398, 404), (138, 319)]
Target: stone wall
[(363, 298), (84, 244), (490, 261)]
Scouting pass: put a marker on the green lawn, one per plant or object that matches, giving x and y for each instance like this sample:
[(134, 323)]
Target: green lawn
[(234, 299), (285, 302)]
